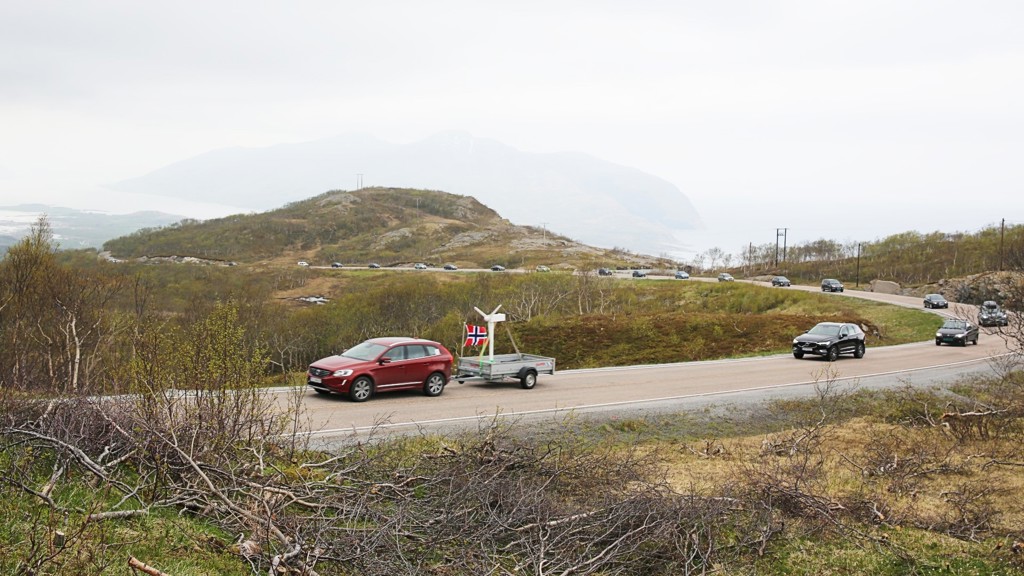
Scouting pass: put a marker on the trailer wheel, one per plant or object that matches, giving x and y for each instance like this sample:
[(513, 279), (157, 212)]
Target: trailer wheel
[(529, 379)]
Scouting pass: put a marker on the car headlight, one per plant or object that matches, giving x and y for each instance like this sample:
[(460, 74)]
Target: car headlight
[(938, 334), (342, 372), (795, 342)]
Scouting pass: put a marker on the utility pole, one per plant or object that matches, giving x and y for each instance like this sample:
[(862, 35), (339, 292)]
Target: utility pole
[(1002, 232), (857, 285), (544, 230), (780, 233), (359, 181)]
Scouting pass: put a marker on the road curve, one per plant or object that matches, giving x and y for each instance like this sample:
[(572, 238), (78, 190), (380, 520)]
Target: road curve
[(664, 385)]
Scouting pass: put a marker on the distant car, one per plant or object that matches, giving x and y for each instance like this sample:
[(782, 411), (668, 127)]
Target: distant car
[(639, 274), (604, 272), (725, 277), (497, 268), (991, 315), (450, 267), (336, 265), (830, 339), (682, 275), (383, 365), (303, 263), (543, 268), (956, 331), (374, 265), (420, 266), (935, 301), (831, 285), (781, 281)]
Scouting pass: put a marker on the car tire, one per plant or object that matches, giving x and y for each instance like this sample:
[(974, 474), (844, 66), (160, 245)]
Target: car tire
[(434, 385), (797, 354), (937, 343), (528, 380), (858, 352), (361, 389), (833, 354)]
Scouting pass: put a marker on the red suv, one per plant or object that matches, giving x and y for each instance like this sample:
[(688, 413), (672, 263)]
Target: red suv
[(382, 365)]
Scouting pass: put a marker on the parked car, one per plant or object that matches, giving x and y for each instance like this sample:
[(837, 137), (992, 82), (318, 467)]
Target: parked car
[(604, 272), (374, 265), (956, 331), (303, 263), (725, 277), (639, 274), (781, 281), (497, 268), (831, 285), (336, 265), (682, 275), (383, 365), (420, 266), (991, 315), (543, 268), (450, 267), (830, 339), (935, 301)]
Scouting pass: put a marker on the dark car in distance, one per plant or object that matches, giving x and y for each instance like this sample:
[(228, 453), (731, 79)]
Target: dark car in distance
[(830, 339), (450, 267), (639, 274), (725, 277), (682, 275), (935, 301), (497, 268), (383, 365), (956, 331), (604, 272), (991, 315), (831, 285), (336, 265), (781, 281), (374, 265)]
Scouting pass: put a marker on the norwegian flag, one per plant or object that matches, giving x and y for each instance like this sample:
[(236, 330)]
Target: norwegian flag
[(476, 335)]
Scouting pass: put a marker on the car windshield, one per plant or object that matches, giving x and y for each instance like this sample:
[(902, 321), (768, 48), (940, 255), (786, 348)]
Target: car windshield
[(990, 305), (825, 330), (954, 324), (782, 279), (933, 297), (365, 351)]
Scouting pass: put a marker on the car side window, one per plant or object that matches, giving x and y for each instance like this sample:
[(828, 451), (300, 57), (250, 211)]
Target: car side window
[(397, 353), (415, 351), (844, 332), (432, 351)]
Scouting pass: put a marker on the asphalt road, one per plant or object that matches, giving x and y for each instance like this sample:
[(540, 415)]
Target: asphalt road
[(664, 387)]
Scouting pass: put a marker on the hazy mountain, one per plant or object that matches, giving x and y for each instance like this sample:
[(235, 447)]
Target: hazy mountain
[(576, 195), (75, 228)]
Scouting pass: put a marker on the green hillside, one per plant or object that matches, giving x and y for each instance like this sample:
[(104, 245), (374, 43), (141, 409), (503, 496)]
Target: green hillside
[(390, 226)]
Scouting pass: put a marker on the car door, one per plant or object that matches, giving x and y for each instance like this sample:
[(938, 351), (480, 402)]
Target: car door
[(390, 371), (847, 341)]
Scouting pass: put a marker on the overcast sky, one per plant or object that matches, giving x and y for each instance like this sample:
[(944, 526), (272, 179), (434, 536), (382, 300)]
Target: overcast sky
[(841, 120)]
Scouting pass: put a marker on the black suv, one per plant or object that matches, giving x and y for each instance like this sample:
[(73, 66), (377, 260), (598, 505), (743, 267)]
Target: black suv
[(781, 281), (991, 315), (831, 285), (604, 272), (830, 339)]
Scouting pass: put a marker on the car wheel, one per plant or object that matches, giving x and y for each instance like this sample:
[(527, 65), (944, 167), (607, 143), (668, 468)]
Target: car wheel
[(937, 343), (858, 352), (361, 389), (798, 354), (833, 354), (529, 380), (434, 384)]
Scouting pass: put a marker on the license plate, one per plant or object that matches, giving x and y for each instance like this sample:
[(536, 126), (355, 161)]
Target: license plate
[(314, 380)]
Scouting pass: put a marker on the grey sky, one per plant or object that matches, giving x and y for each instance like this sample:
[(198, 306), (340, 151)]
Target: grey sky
[(844, 120)]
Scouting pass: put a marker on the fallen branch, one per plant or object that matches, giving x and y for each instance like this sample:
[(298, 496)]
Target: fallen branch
[(135, 564)]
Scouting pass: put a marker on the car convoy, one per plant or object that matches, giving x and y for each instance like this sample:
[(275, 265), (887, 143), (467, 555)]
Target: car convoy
[(405, 363)]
